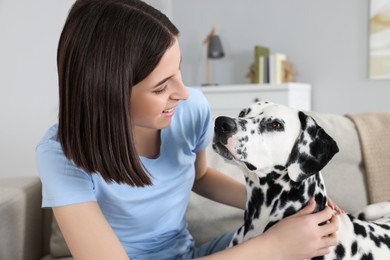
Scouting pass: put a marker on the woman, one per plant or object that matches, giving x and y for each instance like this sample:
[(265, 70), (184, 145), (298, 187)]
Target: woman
[(130, 144)]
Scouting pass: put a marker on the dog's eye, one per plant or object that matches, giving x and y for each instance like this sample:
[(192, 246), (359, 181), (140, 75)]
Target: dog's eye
[(276, 125)]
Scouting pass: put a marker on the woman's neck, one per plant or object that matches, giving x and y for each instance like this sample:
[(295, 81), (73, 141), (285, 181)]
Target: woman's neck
[(147, 142)]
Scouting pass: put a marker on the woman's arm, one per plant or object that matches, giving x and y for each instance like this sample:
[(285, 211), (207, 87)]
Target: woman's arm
[(87, 233), (216, 186)]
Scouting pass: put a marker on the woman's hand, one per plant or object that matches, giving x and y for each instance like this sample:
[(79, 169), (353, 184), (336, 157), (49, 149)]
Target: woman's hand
[(300, 236)]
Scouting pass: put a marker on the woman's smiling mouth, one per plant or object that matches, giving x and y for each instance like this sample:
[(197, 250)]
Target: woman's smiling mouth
[(169, 112)]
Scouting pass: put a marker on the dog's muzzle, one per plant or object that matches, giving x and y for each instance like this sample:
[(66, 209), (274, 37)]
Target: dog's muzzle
[(224, 128)]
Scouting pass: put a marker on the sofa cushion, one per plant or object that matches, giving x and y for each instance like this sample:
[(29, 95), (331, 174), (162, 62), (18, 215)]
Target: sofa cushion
[(10, 227), (21, 218)]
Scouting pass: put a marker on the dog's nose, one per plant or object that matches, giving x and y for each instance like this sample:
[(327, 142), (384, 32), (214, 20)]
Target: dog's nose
[(225, 125)]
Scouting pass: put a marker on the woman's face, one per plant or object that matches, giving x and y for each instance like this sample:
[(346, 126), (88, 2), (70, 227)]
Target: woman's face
[(154, 99)]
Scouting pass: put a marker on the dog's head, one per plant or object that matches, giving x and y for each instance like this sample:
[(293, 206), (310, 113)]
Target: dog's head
[(268, 136)]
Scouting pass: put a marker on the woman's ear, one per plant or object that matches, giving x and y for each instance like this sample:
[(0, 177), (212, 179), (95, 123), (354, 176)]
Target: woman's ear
[(313, 149)]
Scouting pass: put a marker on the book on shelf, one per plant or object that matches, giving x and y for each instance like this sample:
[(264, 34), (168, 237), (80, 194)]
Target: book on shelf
[(261, 54), (276, 68)]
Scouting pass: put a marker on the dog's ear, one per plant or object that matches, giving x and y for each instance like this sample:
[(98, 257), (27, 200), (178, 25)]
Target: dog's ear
[(313, 149)]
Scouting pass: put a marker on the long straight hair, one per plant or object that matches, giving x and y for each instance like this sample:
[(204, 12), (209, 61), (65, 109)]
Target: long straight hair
[(106, 47)]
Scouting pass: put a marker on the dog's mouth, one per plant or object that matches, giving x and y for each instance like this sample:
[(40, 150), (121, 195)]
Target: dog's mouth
[(222, 151), (225, 153)]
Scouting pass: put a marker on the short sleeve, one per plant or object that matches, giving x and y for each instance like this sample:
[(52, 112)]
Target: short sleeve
[(62, 182), (203, 126)]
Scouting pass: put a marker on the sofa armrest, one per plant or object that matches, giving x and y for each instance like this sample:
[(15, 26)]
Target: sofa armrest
[(21, 218)]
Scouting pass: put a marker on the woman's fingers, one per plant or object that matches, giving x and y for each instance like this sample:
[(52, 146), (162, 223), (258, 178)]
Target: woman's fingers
[(330, 227), (328, 243), (330, 240), (335, 208), (308, 209), (323, 215)]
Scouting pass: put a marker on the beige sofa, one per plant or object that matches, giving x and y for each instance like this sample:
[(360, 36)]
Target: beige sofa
[(27, 231)]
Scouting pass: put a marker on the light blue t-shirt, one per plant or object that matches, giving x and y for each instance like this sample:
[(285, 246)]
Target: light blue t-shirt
[(150, 221)]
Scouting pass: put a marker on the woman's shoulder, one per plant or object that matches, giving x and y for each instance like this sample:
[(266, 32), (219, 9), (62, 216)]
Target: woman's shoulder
[(49, 139), (50, 158), (63, 183), (48, 152)]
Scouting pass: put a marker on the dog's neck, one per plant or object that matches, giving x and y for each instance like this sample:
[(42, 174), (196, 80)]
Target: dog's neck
[(275, 190)]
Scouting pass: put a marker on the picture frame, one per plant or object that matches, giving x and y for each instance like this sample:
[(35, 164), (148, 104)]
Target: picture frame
[(379, 40)]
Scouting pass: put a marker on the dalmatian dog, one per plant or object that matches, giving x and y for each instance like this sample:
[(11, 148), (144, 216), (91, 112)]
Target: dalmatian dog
[(281, 152)]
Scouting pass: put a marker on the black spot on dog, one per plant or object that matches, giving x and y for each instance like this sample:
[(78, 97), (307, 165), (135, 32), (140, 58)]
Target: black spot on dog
[(302, 119), (271, 177), (318, 258), (377, 240), (239, 230), (385, 240), (340, 251), (262, 126), (244, 112), (283, 198), (295, 193), (272, 193), (367, 257), (359, 229), (250, 166), (242, 124), (354, 248), (320, 201), (289, 211), (269, 225), (311, 189), (262, 181), (287, 179), (279, 167), (351, 218), (274, 207), (384, 226), (253, 208)]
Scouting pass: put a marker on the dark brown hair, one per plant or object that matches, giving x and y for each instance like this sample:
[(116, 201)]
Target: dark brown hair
[(106, 47)]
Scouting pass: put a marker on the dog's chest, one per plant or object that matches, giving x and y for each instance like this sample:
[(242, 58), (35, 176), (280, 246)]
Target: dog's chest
[(272, 199)]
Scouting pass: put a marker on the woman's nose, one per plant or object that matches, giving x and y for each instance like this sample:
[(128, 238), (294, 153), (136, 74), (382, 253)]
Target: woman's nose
[(180, 91)]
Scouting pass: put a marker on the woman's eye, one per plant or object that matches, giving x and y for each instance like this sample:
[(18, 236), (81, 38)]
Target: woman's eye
[(161, 90)]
